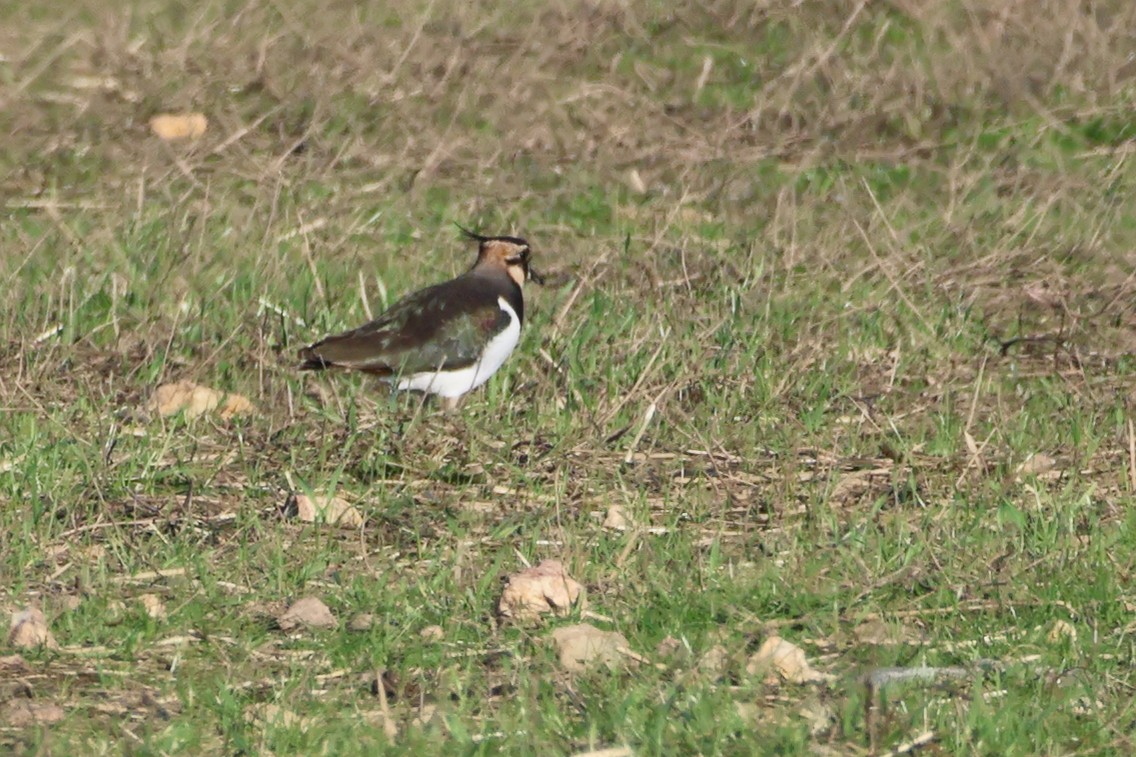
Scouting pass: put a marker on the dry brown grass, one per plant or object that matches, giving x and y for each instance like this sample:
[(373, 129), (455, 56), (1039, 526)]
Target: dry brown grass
[(512, 112)]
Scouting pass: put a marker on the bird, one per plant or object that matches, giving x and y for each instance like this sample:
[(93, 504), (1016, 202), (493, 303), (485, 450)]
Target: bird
[(447, 339)]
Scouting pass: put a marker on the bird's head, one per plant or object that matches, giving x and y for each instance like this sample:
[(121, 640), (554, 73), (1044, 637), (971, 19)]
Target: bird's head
[(509, 253)]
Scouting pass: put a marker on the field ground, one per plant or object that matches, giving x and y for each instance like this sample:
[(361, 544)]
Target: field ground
[(871, 265)]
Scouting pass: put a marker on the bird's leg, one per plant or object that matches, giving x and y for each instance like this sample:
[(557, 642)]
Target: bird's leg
[(450, 404)]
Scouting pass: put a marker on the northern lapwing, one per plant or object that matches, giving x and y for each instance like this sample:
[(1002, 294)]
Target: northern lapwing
[(447, 339)]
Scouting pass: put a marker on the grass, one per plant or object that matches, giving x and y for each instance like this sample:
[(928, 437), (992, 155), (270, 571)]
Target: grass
[(871, 266)]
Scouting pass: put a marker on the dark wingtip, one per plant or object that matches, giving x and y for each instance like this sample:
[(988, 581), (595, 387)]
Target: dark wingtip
[(311, 360)]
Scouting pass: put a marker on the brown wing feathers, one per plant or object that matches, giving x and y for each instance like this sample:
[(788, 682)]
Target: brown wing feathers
[(438, 326)]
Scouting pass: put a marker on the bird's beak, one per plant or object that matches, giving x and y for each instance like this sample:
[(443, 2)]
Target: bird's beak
[(532, 275)]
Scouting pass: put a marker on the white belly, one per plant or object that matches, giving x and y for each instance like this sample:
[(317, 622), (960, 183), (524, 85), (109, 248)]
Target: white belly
[(456, 383)]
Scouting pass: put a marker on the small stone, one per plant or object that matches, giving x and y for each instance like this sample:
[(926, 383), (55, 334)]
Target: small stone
[(309, 612), (616, 519), (361, 622), (29, 629), (153, 606)]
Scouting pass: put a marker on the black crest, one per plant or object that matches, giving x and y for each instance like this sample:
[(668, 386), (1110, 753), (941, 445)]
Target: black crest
[(481, 239)]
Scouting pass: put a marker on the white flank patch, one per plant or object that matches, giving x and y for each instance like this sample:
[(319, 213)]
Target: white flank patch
[(456, 383)]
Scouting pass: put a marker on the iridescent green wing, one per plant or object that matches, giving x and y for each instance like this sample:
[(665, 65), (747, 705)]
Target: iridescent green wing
[(444, 326)]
